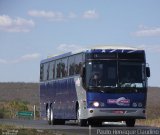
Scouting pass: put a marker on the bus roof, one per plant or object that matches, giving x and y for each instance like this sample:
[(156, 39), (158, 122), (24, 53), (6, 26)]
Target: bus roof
[(111, 48), (56, 57)]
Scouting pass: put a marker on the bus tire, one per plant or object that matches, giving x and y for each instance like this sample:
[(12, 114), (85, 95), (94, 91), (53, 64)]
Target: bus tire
[(48, 115), (60, 122), (52, 117), (81, 122), (130, 122), (95, 123), (55, 121)]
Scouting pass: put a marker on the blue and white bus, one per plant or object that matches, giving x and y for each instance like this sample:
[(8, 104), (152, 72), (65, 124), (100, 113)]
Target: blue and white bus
[(93, 86)]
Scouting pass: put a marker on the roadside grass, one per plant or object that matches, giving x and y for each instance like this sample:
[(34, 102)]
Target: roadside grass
[(149, 122), (2, 126), (153, 116), (13, 130), (8, 109), (153, 112), (37, 132)]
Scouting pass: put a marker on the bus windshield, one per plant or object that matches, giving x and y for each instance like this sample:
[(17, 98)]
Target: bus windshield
[(131, 74), (112, 73)]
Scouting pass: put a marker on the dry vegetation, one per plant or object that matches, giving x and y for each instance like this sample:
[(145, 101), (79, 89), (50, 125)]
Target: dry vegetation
[(153, 103), (11, 130), (153, 108), (29, 92), (16, 97)]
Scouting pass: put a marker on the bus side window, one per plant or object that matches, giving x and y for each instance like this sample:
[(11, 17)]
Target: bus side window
[(41, 72), (78, 63), (46, 71), (71, 65), (58, 69), (51, 70), (64, 67)]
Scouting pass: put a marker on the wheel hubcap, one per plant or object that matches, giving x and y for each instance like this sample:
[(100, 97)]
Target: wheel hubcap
[(51, 115), (48, 114)]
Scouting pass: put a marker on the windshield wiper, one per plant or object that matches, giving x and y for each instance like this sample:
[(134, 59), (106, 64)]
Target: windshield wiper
[(109, 86), (102, 87), (128, 84), (94, 86)]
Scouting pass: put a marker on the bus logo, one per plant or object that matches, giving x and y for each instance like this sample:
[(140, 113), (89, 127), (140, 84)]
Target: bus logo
[(122, 101)]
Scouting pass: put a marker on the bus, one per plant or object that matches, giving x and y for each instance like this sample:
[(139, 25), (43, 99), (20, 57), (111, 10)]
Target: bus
[(94, 86)]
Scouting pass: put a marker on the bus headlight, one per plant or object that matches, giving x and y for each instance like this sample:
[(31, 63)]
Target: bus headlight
[(96, 104)]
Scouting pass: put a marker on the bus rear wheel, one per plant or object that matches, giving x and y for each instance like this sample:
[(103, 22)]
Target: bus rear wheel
[(130, 122), (56, 121), (48, 114), (52, 117), (59, 122)]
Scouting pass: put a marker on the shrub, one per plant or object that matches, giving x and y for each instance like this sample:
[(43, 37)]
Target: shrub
[(1, 113)]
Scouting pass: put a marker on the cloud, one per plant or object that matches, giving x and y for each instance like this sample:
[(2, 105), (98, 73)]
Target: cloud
[(27, 57), (151, 48), (50, 15), (90, 14), (72, 15), (3, 61), (24, 58), (76, 48), (59, 16), (70, 48), (147, 32), (18, 24)]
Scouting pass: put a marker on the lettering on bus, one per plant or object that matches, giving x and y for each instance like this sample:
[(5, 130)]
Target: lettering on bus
[(122, 101)]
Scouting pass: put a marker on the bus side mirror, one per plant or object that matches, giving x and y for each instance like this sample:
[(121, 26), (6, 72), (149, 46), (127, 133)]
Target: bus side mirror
[(148, 72)]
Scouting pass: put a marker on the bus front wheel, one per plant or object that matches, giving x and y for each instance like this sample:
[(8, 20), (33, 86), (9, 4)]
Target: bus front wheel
[(81, 122), (95, 122), (130, 122)]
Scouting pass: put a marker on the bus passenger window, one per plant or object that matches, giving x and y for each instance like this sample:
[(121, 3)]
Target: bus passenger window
[(64, 67), (46, 71), (78, 63), (58, 69), (76, 69), (41, 72), (51, 70), (71, 65)]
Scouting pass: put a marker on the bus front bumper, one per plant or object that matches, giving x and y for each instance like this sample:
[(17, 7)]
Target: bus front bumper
[(116, 114)]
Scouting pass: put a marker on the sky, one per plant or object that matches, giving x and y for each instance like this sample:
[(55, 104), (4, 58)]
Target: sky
[(31, 30)]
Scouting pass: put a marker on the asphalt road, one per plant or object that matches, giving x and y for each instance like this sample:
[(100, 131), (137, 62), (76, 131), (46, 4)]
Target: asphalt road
[(71, 128)]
